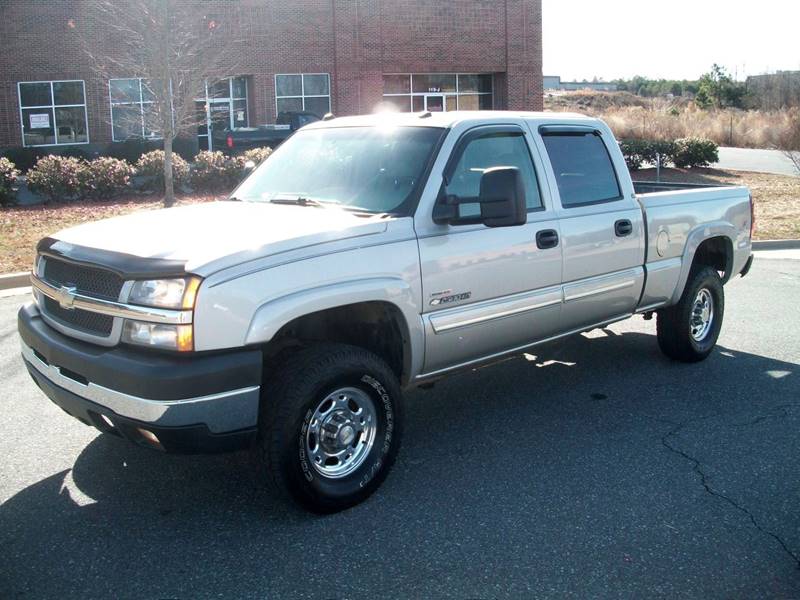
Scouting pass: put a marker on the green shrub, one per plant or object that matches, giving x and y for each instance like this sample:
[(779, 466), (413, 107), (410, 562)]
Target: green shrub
[(24, 158), (151, 165), (639, 152), (214, 171), (57, 177), (104, 177), (8, 175), (695, 152), (633, 152), (256, 155), (660, 148)]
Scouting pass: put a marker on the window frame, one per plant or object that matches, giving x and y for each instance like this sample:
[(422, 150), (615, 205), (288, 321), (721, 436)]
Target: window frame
[(52, 107), (303, 94), (579, 131), (481, 131), (141, 104), (448, 95)]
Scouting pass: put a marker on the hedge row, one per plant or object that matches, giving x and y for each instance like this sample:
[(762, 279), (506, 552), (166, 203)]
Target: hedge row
[(8, 174), (69, 178), (683, 153)]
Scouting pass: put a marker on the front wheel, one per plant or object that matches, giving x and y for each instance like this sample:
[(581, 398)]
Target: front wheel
[(688, 331), (330, 426)]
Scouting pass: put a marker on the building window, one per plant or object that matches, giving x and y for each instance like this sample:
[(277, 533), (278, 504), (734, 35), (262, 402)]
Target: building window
[(53, 113), (309, 92), (132, 110), (223, 107), (437, 92)]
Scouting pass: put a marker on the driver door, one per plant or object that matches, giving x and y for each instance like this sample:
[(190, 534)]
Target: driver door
[(488, 290)]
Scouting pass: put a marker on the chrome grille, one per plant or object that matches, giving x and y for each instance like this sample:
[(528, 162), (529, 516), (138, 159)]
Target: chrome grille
[(89, 281), (86, 280), (82, 320)]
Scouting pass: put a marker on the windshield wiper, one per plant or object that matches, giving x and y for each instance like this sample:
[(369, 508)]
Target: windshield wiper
[(297, 200)]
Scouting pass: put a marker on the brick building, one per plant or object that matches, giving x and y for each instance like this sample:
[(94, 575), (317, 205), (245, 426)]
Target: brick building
[(342, 56)]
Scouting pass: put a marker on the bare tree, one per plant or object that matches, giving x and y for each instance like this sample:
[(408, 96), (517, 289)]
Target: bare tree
[(175, 50)]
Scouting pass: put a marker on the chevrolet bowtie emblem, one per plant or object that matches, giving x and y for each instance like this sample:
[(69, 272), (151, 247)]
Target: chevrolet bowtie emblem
[(65, 296)]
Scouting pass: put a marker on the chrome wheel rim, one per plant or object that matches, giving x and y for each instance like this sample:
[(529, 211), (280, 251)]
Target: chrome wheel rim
[(702, 315), (341, 432)]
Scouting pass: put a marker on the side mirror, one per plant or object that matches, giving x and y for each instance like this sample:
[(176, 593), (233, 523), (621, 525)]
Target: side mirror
[(501, 200)]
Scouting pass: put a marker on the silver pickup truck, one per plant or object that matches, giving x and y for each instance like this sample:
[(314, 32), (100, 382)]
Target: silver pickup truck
[(368, 255)]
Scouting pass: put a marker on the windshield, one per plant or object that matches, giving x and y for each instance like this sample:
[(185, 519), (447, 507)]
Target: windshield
[(373, 169)]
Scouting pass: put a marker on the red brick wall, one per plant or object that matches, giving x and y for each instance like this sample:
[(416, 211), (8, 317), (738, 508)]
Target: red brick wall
[(356, 41)]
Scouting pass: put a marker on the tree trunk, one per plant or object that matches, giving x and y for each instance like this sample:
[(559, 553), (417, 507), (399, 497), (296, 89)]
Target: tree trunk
[(169, 184)]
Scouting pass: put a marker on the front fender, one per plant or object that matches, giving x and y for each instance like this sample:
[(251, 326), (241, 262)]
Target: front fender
[(271, 316)]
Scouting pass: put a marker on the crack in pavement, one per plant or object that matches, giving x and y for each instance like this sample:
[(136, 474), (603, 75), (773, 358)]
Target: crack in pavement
[(697, 468)]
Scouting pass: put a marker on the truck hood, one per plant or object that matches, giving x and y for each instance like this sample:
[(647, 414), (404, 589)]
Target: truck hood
[(202, 235)]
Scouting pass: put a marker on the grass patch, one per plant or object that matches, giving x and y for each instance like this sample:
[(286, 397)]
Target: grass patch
[(777, 197), (22, 227)]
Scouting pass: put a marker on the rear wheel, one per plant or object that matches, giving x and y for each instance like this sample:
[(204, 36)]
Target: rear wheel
[(330, 426), (688, 331)]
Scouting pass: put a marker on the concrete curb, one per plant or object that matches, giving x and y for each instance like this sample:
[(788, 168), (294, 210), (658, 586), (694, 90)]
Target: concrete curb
[(15, 280), (776, 245)]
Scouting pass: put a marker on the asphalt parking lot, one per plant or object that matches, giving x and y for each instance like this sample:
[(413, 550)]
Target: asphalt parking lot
[(593, 467)]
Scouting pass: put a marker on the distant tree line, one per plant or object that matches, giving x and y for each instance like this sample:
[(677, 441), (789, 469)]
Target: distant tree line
[(715, 89), (652, 88)]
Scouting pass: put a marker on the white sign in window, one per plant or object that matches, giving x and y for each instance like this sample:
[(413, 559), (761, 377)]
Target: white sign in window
[(40, 121)]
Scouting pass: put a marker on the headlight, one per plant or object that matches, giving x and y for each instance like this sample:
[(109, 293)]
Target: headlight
[(165, 293), (177, 294), (157, 335)]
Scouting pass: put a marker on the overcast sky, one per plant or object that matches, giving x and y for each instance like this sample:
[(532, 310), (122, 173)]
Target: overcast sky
[(673, 39)]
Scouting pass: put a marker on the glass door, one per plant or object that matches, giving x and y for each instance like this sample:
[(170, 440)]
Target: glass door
[(435, 103)]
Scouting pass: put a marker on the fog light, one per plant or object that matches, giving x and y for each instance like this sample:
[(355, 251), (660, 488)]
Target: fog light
[(150, 437), (107, 421)]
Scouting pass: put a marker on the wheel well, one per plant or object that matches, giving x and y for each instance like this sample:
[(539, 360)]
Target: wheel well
[(716, 252), (375, 326)]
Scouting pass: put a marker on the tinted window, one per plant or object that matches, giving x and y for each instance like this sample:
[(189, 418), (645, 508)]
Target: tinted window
[(374, 169), (583, 169), (503, 150)]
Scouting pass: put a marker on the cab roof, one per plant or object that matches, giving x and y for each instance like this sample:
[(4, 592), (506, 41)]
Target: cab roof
[(450, 119)]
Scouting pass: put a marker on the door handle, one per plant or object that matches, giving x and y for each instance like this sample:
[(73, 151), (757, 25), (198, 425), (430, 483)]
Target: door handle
[(623, 227), (546, 238)]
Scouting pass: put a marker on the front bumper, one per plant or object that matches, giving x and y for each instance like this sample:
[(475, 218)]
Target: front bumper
[(196, 403)]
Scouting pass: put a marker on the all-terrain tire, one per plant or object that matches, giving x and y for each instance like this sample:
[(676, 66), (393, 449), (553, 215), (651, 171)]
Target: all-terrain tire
[(295, 416), (684, 332)]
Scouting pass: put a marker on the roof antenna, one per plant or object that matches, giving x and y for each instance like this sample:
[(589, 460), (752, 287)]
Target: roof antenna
[(328, 117), (425, 115)]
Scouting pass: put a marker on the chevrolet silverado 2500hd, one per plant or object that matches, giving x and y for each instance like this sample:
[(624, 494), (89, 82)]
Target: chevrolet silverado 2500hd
[(367, 255)]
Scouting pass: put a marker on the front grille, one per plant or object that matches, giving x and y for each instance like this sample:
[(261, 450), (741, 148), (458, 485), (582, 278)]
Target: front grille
[(82, 320), (90, 281)]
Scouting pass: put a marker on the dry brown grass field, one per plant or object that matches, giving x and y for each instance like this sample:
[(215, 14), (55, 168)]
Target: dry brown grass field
[(631, 116)]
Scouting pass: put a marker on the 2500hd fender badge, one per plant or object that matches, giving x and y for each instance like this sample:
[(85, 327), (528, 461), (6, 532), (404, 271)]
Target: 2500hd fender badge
[(451, 298)]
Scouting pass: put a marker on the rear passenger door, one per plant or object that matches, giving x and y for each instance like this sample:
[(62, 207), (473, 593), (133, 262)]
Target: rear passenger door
[(487, 290), (601, 226)]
